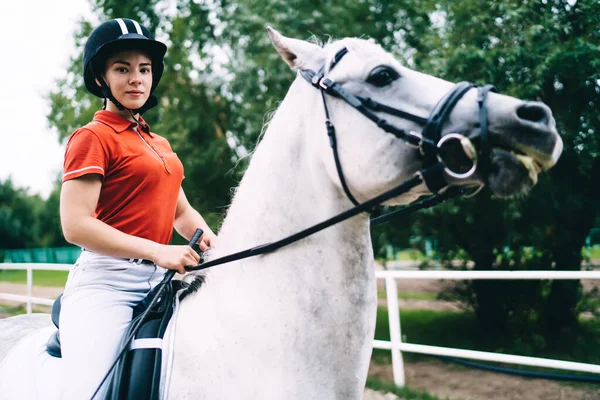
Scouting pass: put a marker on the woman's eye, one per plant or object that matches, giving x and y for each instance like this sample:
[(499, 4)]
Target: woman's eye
[(382, 76), (121, 69)]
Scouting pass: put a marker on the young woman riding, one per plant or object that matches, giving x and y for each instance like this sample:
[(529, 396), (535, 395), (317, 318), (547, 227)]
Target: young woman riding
[(121, 198)]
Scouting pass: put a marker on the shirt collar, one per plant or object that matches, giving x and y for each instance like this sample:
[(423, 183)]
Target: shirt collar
[(117, 122)]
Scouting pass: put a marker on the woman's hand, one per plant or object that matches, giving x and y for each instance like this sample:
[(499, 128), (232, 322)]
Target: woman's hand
[(175, 257), (207, 240)]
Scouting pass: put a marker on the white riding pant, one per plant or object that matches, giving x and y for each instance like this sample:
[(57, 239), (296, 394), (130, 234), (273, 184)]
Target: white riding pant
[(96, 310)]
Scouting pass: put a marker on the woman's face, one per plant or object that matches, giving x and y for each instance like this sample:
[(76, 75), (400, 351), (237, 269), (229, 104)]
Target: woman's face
[(129, 77)]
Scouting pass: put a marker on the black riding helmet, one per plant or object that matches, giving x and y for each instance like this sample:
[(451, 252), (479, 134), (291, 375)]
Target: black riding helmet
[(114, 36)]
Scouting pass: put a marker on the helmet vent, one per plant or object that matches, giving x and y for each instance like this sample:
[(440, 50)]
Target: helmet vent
[(124, 29), (121, 23)]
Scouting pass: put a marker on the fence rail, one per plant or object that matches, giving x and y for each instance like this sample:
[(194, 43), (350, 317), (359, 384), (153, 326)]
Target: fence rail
[(395, 345), (28, 299)]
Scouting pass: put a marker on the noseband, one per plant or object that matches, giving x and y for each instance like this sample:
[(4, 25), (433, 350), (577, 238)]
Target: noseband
[(432, 146)]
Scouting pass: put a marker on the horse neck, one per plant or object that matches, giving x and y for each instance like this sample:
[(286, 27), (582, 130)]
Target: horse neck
[(290, 305), (285, 190)]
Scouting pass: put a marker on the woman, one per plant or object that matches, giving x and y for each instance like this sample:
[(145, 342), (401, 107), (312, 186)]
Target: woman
[(121, 198)]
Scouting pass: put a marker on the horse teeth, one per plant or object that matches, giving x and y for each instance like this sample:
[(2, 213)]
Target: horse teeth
[(531, 165)]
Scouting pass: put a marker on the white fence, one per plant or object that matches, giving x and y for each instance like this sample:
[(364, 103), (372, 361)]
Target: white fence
[(395, 345), (29, 299)]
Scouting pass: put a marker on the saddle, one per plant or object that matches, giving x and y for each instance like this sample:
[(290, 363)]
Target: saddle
[(137, 374)]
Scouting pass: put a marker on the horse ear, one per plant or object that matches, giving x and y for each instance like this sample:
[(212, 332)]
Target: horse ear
[(296, 53)]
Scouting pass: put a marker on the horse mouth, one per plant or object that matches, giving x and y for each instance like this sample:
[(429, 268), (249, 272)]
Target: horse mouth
[(511, 166), (531, 157), (515, 167), (532, 160), (532, 164)]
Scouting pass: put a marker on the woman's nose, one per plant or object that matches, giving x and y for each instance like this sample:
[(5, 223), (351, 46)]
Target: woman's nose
[(135, 77)]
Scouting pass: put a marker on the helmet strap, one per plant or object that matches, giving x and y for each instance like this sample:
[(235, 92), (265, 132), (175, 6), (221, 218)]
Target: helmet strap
[(144, 127), (107, 94), (150, 103)]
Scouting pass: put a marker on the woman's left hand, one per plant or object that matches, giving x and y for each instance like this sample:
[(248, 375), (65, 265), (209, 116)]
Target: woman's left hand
[(207, 240)]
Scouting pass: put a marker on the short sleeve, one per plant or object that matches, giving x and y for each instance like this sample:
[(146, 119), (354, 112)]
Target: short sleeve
[(84, 155)]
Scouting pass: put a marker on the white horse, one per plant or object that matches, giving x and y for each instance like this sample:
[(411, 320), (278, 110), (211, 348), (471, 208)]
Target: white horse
[(298, 323)]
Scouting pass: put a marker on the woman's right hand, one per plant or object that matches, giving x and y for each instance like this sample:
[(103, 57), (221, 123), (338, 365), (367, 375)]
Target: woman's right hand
[(175, 257)]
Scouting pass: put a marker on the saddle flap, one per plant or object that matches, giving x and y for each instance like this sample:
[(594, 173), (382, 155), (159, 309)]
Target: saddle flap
[(137, 374), (53, 345), (55, 314)]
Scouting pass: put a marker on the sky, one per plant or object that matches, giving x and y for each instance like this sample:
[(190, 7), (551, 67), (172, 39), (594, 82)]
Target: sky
[(36, 41)]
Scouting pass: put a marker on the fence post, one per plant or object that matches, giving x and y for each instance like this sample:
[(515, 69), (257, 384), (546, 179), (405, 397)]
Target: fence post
[(395, 333), (29, 288)]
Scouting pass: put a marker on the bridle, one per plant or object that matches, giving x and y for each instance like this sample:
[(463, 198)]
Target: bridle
[(430, 143)]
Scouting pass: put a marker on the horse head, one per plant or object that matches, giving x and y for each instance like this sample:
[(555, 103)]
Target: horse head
[(482, 137)]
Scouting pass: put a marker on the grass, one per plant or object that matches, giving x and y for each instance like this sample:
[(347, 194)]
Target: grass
[(459, 329), (404, 393), (592, 252), (410, 295), (12, 310), (416, 255), (410, 255), (40, 277), (21, 309), (593, 303)]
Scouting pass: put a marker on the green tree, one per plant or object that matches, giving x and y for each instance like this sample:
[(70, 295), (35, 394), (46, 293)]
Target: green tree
[(19, 217), (49, 221), (259, 78), (547, 50)]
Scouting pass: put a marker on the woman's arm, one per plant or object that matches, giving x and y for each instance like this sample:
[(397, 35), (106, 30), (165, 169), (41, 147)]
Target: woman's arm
[(187, 220), (78, 200)]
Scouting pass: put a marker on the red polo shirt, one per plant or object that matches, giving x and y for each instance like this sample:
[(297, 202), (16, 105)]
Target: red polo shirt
[(141, 174)]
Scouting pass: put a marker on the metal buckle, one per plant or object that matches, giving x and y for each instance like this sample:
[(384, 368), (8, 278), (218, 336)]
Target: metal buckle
[(467, 148), (323, 84), (418, 146)]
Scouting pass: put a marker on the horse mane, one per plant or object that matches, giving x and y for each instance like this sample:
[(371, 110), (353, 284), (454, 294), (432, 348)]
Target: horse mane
[(196, 283), (269, 114), (193, 286)]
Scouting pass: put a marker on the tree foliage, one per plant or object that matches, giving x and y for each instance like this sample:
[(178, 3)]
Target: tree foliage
[(28, 221), (259, 78), (546, 50)]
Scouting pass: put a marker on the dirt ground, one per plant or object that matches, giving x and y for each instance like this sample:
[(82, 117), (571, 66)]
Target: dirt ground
[(38, 291), (454, 382), (447, 381), (434, 377)]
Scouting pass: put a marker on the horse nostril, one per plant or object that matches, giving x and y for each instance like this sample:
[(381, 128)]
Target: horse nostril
[(534, 112)]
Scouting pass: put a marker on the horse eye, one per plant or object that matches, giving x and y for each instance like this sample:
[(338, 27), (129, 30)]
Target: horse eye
[(382, 76)]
